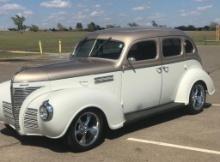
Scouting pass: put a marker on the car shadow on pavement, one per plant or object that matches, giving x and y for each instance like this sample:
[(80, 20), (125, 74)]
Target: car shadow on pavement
[(59, 145), (151, 121)]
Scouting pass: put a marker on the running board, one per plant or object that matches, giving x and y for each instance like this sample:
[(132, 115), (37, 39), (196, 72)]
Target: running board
[(133, 116)]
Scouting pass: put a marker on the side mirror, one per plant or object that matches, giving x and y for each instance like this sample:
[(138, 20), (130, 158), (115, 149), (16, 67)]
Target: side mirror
[(131, 59)]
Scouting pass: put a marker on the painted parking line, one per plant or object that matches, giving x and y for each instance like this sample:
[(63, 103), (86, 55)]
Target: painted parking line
[(175, 146), (216, 105)]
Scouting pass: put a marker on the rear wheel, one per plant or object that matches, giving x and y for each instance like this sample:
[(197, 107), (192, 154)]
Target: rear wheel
[(197, 98), (86, 131)]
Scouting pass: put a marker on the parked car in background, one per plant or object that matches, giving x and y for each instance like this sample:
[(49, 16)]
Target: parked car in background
[(114, 76)]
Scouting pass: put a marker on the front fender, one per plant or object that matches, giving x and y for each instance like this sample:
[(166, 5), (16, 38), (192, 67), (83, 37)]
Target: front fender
[(189, 79), (68, 103), (5, 95)]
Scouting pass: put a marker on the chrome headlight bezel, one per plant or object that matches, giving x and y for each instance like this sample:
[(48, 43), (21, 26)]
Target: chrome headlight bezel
[(46, 111)]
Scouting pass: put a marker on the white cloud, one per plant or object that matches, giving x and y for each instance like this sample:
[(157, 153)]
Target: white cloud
[(201, 0), (108, 18), (58, 16), (96, 13), (3, 1), (80, 16), (122, 15), (80, 5), (139, 19), (56, 4), (9, 8), (25, 13), (97, 5), (204, 8), (156, 16), (140, 8), (28, 12), (198, 11), (217, 20)]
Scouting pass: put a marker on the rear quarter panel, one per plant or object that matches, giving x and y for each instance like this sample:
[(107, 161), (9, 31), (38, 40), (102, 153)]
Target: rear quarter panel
[(194, 73)]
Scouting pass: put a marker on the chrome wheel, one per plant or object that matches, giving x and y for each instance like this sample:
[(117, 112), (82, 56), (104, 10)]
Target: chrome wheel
[(198, 97), (87, 129)]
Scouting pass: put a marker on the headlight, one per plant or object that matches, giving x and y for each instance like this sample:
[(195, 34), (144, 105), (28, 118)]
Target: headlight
[(46, 111)]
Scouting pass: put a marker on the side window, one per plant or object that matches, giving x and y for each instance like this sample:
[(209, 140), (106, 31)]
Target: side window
[(171, 47), (143, 51), (188, 46)]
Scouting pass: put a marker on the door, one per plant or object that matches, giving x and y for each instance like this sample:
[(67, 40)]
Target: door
[(141, 79), (173, 65)]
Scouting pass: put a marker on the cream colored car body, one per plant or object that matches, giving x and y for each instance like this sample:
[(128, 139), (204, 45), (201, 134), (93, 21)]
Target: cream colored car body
[(131, 88)]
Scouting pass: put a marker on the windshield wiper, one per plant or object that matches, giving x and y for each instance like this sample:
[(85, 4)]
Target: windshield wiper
[(98, 49)]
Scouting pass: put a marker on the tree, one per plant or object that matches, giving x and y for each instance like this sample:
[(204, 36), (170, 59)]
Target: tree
[(52, 29), (213, 25), (191, 28), (154, 24), (92, 27), (19, 22), (133, 24), (110, 26), (70, 28), (206, 28), (79, 26), (60, 27), (34, 28), (12, 29), (187, 28)]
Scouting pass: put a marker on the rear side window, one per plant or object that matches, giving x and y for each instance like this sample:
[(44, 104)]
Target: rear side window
[(188, 46), (143, 51), (171, 47)]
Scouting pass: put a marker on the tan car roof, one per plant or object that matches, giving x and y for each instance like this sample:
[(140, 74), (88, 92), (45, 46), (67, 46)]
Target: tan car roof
[(135, 33)]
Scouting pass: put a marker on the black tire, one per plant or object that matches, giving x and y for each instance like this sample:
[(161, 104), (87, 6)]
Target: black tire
[(197, 98), (10, 129), (78, 131)]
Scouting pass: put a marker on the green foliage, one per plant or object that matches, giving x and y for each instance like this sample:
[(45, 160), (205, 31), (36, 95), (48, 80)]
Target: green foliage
[(133, 24), (79, 26), (19, 22), (92, 27), (61, 27), (34, 28), (154, 24)]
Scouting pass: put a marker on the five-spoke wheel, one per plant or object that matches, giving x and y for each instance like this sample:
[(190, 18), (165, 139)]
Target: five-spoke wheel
[(197, 98), (86, 130)]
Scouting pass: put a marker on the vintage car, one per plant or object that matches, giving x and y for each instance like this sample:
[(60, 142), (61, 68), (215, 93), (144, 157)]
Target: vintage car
[(113, 77)]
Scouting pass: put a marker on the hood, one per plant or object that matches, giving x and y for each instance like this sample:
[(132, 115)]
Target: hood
[(62, 70)]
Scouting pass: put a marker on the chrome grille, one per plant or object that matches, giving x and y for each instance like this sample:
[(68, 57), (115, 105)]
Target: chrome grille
[(18, 97), (7, 109), (31, 119)]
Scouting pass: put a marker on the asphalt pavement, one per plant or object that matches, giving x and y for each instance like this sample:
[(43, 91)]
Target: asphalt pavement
[(174, 137)]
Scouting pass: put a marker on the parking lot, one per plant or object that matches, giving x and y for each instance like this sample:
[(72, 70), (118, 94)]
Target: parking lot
[(174, 136)]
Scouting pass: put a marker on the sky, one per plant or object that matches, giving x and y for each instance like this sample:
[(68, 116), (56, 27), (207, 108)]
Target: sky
[(47, 13)]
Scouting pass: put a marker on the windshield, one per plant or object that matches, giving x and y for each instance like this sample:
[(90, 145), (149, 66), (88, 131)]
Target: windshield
[(109, 49)]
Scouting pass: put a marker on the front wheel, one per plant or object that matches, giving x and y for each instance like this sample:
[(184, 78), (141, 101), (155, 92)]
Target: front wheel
[(86, 131), (197, 98)]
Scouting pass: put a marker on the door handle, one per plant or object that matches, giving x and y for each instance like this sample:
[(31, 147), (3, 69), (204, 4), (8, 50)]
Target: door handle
[(166, 69), (159, 70)]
